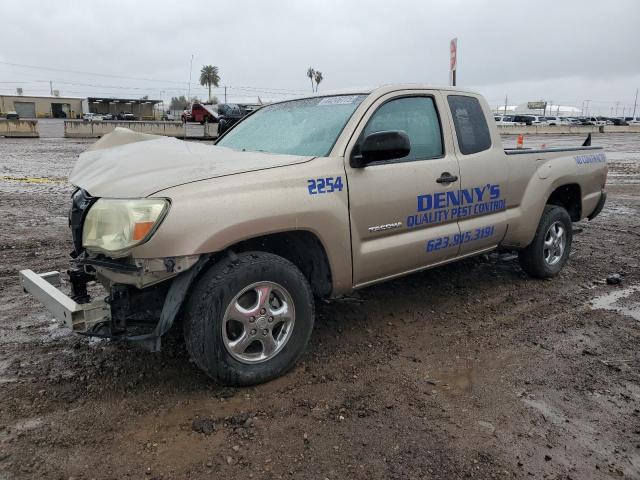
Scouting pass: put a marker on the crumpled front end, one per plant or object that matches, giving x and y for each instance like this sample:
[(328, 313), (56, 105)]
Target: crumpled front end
[(118, 298)]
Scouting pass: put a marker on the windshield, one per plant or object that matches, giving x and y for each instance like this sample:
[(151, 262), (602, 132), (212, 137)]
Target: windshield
[(307, 127)]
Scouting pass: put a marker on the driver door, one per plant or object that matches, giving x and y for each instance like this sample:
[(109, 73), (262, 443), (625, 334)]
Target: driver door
[(400, 212)]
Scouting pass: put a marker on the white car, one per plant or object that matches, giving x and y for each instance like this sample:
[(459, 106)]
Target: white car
[(506, 120), (557, 121), (539, 120), (632, 120), (597, 121), (92, 117)]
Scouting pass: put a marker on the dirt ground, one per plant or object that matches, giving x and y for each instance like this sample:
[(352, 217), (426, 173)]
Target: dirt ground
[(472, 370)]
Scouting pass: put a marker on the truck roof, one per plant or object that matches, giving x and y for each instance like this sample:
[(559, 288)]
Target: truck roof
[(381, 89)]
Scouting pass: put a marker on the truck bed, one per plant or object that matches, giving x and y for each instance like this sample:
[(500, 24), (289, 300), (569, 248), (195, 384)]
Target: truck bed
[(519, 151)]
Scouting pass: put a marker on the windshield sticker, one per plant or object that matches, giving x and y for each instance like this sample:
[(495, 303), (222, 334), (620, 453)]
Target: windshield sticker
[(592, 158), (340, 100), (452, 205)]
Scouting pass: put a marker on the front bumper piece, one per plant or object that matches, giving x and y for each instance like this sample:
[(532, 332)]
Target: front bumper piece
[(80, 317)]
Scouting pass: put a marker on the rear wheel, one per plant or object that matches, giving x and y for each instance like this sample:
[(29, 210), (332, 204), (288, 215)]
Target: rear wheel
[(249, 319), (545, 256)]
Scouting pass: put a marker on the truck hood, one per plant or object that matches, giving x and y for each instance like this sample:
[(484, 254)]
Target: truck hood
[(126, 164)]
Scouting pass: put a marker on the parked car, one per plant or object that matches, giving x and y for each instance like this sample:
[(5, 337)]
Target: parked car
[(168, 117), (574, 121), (526, 119), (557, 121), (620, 122), (632, 120), (109, 116), (127, 116), (313, 197), (228, 115), (506, 120), (595, 121), (200, 113), (92, 117), (12, 116)]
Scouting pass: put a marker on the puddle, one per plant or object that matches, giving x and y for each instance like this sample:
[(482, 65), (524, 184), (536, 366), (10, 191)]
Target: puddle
[(620, 301), (618, 211), (460, 380), (4, 378), (10, 431)]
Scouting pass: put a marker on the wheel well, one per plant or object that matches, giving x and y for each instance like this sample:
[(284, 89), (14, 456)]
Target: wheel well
[(301, 248), (568, 197)]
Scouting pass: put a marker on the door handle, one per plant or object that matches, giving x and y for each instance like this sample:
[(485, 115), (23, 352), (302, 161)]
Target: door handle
[(446, 177)]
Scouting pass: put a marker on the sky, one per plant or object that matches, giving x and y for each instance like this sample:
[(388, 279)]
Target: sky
[(565, 51)]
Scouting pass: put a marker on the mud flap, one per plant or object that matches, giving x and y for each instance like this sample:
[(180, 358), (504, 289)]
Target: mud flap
[(599, 206), (172, 304)]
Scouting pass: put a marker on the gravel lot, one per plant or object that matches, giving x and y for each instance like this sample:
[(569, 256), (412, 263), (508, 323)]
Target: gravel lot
[(472, 370)]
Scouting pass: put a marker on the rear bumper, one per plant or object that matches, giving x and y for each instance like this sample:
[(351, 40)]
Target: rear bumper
[(80, 317), (599, 206)]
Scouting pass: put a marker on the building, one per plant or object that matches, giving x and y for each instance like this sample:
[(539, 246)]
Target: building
[(41, 107), (549, 110), (74, 107), (143, 109)]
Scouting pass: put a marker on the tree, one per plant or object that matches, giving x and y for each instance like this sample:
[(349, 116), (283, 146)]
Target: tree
[(311, 73), (179, 103), (209, 76), (318, 78)]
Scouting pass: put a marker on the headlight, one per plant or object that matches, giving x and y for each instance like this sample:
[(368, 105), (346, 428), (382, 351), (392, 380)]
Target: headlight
[(114, 226)]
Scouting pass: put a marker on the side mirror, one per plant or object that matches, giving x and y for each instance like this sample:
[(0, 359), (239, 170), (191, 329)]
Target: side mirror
[(379, 146)]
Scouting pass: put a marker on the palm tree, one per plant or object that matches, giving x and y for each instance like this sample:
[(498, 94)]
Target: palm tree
[(209, 76), (311, 73), (318, 77)]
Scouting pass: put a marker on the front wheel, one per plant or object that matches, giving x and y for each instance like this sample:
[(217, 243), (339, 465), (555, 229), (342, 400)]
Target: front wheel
[(249, 318), (545, 256)]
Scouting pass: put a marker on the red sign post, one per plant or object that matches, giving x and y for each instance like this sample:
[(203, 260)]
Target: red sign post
[(453, 60)]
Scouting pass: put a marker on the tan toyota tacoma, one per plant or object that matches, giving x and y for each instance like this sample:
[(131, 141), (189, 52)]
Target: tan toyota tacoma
[(313, 197)]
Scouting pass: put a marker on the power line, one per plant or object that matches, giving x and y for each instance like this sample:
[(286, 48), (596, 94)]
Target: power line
[(64, 70), (257, 89)]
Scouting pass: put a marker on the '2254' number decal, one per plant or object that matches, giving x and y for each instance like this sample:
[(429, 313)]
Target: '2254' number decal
[(324, 185)]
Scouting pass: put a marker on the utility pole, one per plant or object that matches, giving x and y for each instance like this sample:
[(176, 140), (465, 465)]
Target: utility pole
[(586, 102), (225, 94), (506, 98), (617, 104), (635, 102), (190, 70), (51, 87)]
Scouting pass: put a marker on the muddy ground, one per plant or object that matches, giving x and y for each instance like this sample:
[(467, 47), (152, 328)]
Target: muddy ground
[(467, 371)]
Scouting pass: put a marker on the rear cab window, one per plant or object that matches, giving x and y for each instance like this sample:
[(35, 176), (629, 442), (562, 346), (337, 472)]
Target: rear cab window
[(470, 124)]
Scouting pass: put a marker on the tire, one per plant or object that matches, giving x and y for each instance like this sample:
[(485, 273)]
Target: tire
[(545, 260), (211, 326)]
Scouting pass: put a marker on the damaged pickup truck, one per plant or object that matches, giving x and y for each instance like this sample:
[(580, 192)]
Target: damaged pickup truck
[(313, 197)]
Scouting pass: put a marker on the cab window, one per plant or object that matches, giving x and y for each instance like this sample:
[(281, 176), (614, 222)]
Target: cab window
[(418, 118), (470, 123)]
